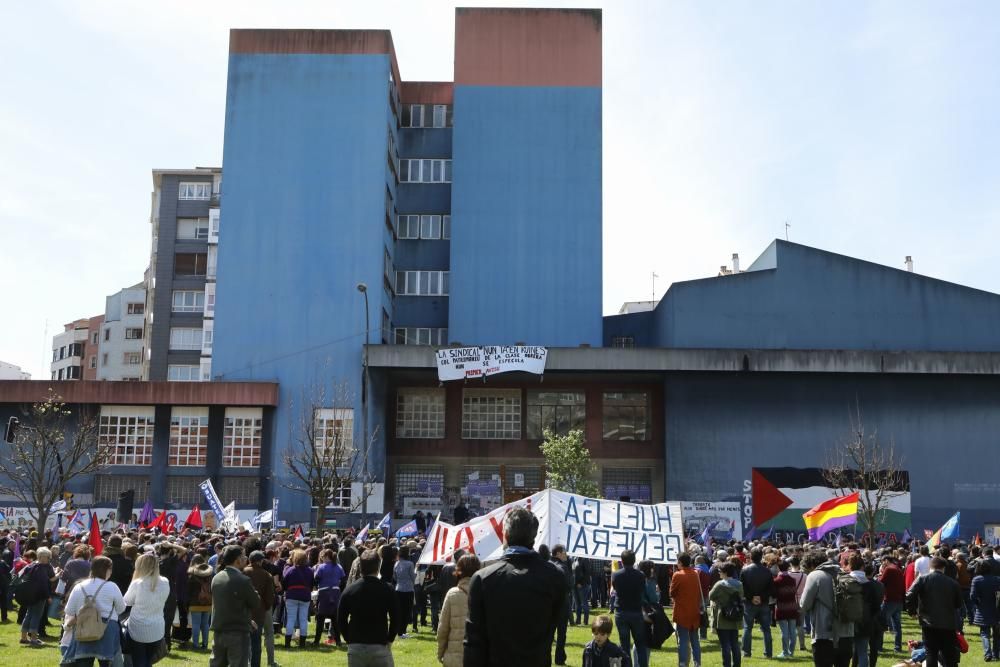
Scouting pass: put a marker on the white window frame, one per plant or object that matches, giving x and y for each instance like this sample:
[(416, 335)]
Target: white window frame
[(439, 115), (420, 108), (420, 413), (187, 295), (209, 309), (128, 430), (491, 414), (241, 437), (194, 190), (185, 338), (422, 283), (188, 437), (130, 333), (195, 229), (131, 358), (214, 219), (183, 373), (206, 369), (207, 332), (418, 336), (425, 170), (328, 421)]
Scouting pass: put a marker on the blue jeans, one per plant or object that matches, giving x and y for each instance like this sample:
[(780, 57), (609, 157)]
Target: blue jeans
[(297, 616), (788, 636), (730, 644), (583, 603), (33, 616), (631, 628), (893, 614), (990, 650), (688, 638), (860, 652), (761, 614), (201, 621)]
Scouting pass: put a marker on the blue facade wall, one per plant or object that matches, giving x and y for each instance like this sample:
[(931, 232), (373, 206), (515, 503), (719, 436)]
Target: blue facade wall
[(719, 426), (821, 300), (302, 222), (526, 207), (640, 326)]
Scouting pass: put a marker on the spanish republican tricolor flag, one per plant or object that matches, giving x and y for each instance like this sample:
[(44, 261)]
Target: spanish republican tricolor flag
[(830, 515)]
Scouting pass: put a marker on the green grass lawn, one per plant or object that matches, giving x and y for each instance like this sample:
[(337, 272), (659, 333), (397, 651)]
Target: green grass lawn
[(421, 651)]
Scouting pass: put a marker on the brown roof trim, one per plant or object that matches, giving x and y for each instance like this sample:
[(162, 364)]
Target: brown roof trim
[(142, 393), (427, 92)]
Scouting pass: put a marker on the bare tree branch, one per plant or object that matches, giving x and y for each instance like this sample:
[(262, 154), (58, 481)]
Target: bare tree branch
[(51, 449), (865, 465), (324, 454)]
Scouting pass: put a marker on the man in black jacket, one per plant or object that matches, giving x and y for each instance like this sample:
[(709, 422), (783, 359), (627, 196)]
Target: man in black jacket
[(121, 568), (758, 588), (935, 598), (501, 596), (368, 615), (630, 585), (560, 560), (447, 580)]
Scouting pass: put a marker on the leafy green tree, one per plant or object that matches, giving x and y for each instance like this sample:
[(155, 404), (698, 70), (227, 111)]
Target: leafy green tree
[(567, 463)]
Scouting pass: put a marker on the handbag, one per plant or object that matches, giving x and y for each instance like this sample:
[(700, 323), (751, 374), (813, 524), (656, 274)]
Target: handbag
[(963, 645)]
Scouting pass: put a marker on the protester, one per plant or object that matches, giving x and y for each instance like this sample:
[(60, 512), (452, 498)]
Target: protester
[(758, 588), (329, 582), (560, 561), (630, 594), (200, 600), (581, 590), (984, 595), (234, 601), (893, 580), (686, 592), (726, 597), (5, 574), (77, 568), (146, 595), (297, 582), (169, 560), (461, 512), (122, 568), (499, 594), (37, 581), (832, 640), (451, 627), (403, 574), (110, 604), (263, 583), (600, 650), (786, 608), (368, 616)]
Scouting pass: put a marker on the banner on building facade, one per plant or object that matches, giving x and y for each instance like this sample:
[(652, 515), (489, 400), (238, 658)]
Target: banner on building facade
[(724, 518), (588, 527), (459, 363)]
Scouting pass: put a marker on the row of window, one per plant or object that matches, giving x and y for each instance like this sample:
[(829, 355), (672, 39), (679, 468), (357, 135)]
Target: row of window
[(495, 414), (68, 373), (422, 170), (128, 431), (71, 350), (420, 336), (181, 491), (189, 190), (185, 338), (423, 226), (196, 263), (422, 283), (427, 115)]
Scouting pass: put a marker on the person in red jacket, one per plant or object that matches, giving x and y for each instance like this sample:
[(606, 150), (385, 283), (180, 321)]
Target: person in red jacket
[(894, 581), (786, 608), (910, 573)]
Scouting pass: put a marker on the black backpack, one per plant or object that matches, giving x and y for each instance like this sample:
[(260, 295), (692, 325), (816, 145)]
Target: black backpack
[(733, 610), (24, 587)]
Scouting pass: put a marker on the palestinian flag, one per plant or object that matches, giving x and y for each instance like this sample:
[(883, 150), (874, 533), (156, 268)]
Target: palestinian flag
[(782, 495)]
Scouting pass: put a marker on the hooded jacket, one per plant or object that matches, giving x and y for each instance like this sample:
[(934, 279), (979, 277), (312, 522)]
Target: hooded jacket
[(451, 627), (197, 575), (817, 599)]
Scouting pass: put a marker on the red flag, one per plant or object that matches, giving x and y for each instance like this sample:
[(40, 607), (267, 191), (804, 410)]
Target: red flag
[(194, 519), (978, 541), (159, 522), (171, 526), (95, 536), (298, 532)]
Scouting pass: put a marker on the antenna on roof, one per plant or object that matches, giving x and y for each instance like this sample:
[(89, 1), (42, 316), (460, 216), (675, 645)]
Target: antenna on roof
[(654, 285), (787, 225)]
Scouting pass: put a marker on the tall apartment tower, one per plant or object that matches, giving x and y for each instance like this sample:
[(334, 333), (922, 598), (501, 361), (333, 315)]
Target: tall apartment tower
[(180, 280), (341, 196)]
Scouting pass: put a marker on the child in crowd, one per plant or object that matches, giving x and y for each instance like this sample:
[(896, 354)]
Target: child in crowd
[(600, 651)]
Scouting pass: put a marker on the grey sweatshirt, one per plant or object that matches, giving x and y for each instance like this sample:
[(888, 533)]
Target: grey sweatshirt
[(817, 599)]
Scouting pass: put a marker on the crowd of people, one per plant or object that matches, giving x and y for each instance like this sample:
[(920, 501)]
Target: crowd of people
[(131, 595)]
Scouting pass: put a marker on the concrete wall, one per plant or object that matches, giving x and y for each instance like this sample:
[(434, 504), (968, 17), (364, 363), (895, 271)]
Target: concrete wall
[(821, 300), (304, 209), (526, 197), (719, 426)]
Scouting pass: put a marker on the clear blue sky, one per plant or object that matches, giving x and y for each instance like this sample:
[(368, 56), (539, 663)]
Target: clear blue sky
[(873, 127)]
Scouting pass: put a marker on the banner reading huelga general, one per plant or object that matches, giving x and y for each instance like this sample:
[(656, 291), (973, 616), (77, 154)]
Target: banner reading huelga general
[(458, 363), (588, 527)]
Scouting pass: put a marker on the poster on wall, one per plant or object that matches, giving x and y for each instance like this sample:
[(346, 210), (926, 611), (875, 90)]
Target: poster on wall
[(459, 363)]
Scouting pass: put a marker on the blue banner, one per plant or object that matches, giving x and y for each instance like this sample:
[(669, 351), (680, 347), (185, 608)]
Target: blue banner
[(212, 498), (407, 530)]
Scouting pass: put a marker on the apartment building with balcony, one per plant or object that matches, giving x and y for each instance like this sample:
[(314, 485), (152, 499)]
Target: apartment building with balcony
[(180, 280), (75, 350), (120, 351)]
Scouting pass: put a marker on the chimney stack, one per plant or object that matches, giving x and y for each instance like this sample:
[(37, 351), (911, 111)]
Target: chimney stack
[(736, 262), (909, 263)]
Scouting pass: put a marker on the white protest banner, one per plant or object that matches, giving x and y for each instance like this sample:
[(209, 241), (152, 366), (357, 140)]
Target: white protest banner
[(588, 527), (457, 363), (725, 515)]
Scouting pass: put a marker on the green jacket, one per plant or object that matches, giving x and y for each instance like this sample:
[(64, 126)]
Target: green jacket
[(234, 599), (721, 595)]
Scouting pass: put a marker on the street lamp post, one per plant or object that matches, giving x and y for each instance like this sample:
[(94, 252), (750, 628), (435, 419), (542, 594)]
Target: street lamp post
[(364, 408)]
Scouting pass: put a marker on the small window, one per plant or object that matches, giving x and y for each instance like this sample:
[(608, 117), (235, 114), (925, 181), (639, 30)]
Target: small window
[(440, 115), (183, 373), (623, 342), (107, 333), (104, 359), (446, 226), (194, 191), (192, 229), (94, 338), (626, 415), (191, 263), (184, 338), (188, 301), (133, 333), (93, 361), (136, 308)]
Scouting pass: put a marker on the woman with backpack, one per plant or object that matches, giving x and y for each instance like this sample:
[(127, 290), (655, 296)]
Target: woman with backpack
[(147, 594), (727, 606), (32, 592), (91, 622), (200, 600)]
